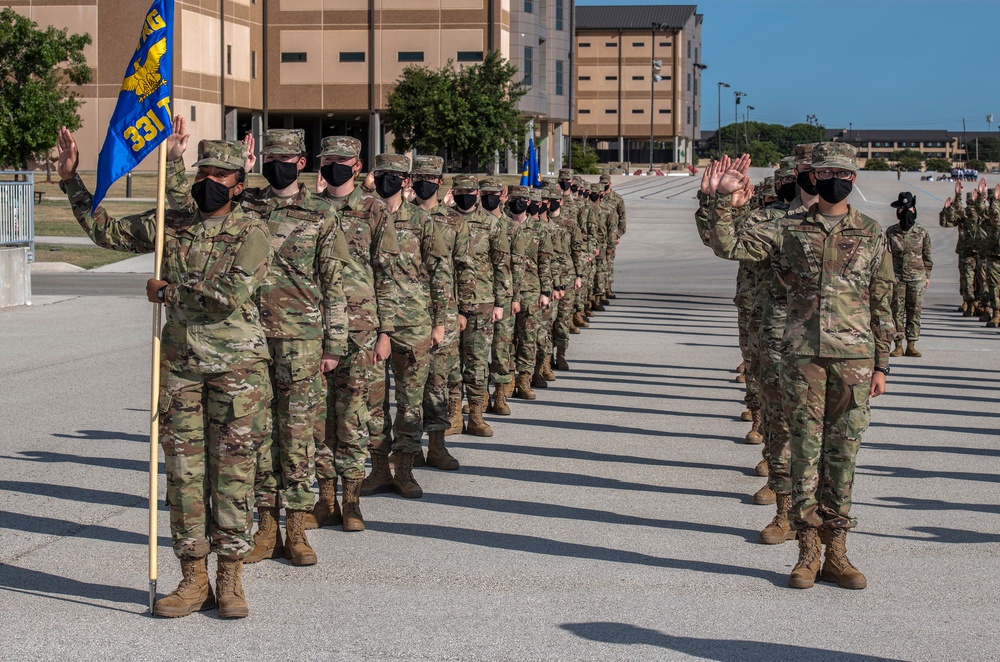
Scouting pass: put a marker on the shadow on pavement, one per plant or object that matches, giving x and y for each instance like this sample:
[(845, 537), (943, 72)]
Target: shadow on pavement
[(74, 493), (723, 650), (957, 450), (942, 535), (617, 429), (104, 435), (109, 462), (57, 527), (41, 584), (909, 503)]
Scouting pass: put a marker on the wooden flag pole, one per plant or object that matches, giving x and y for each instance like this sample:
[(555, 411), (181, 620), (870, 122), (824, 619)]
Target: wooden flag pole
[(154, 407)]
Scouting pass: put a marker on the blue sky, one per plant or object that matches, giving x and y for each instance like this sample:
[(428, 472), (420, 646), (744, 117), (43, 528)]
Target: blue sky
[(886, 64)]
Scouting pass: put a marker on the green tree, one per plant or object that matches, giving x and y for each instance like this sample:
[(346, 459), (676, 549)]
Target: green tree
[(989, 148), (938, 164), (37, 69), (909, 159), (782, 139), (877, 164), (976, 164), (584, 159), (764, 153), (469, 114)]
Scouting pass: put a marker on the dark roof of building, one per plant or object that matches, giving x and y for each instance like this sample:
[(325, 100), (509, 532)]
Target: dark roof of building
[(632, 17), (899, 135)]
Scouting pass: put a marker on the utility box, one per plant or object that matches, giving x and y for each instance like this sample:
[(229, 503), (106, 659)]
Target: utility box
[(15, 276)]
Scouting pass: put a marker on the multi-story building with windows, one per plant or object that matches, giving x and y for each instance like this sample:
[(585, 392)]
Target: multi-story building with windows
[(956, 146)]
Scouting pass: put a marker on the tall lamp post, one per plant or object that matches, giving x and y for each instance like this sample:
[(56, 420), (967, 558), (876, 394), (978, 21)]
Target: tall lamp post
[(698, 68), (718, 136), (736, 117), (654, 78), (746, 120)]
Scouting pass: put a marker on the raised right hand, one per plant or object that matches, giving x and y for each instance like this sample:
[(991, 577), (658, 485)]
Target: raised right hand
[(947, 203), (69, 155), (177, 141)]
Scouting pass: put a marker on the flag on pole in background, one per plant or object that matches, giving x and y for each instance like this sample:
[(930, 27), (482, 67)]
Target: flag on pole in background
[(531, 176), (142, 118)]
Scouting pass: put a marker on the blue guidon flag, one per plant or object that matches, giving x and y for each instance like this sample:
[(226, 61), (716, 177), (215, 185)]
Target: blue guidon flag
[(141, 120)]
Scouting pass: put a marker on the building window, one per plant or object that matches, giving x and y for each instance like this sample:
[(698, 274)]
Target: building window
[(689, 114), (253, 64), (689, 48), (528, 6), (293, 57), (665, 44), (638, 78), (612, 44), (664, 111), (584, 77), (695, 117), (611, 78), (584, 44), (470, 56), (411, 56), (611, 111), (638, 44), (695, 54), (696, 86), (584, 111), (528, 65), (229, 60), (638, 111), (352, 56), (193, 115), (689, 82), (559, 78), (559, 14)]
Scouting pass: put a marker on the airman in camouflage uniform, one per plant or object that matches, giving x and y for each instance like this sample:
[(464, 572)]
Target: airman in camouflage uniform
[(991, 250), (955, 214), (492, 197), (618, 204), (215, 392), (532, 276), (910, 245), (557, 264), (578, 193), (489, 254), (572, 255), (836, 343), (370, 288)]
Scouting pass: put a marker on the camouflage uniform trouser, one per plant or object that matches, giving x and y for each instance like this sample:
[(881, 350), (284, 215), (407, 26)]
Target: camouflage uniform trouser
[(776, 433), (211, 427), (600, 274), (286, 459), (502, 361), (749, 326), (547, 318), (828, 412), (908, 297), (583, 294), (611, 266), (477, 339), (379, 419), (993, 282), (342, 435), (560, 330), (981, 294), (967, 276), (411, 363), (443, 356), (526, 326)]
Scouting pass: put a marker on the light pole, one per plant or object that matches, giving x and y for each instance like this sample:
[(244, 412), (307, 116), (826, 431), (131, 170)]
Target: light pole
[(989, 122), (718, 136), (746, 120), (736, 117), (654, 78)]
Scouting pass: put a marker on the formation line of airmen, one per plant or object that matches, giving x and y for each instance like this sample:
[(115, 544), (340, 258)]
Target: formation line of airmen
[(287, 308), (978, 248)]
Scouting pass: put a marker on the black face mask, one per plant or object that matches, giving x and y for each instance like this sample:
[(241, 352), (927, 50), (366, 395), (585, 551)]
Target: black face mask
[(564, 185), (834, 190), (490, 201), (574, 188), (337, 174), (210, 195), (607, 187), (787, 191), (465, 201), (517, 206), (387, 184), (554, 205), (279, 174), (805, 183), (534, 208), (595, 197), (425, 189), (906, 218)]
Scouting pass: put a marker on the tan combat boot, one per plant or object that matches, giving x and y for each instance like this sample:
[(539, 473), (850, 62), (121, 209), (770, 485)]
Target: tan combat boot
[(596, 305), (437, 455), (573, 328), (297, 547), (194, 593), (780, 529), (267, 541), (500, 406), (561, 359), (523, 388), (838, 567), (229, 588), (898, 349), (403, 481), (765, 496), (610, 295), (963, 307), (326, 512), (742, 367), (911, 349), (970, 309), (754, 436), (747, 415), (477, 426), (455, 416), (545, 369), (353, 520), (985, 314), (508, 388), (762, 469), (380, 478), (580, 319), (806, 570), (994, 321)]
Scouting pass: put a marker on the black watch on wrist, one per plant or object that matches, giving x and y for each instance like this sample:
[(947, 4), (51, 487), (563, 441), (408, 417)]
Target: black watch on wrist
[(884, 371), (161, 294)]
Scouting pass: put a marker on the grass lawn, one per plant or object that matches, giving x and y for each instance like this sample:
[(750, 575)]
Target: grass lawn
[(87, 257)]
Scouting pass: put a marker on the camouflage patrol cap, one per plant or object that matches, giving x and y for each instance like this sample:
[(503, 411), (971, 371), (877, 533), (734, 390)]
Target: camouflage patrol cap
[(284, 141), (550, 190), (566, 174), (767, 190), (834, 155), (605, 179), (225, 154), (786, 168), (491, 185), (519, 192), (393, 163), (341, 146), (803, 154), (465, 183), (535, 194), (431, 166)]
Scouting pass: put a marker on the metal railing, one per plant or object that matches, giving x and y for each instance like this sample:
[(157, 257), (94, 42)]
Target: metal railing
[(17, 210)]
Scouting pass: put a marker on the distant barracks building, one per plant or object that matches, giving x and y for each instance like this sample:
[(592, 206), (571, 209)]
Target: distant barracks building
[(327, 66)]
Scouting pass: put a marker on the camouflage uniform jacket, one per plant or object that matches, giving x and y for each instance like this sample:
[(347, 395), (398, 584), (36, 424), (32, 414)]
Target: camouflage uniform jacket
[(619, 206), (992, 222), (369, 278), (303, 296), (611, 223), (214, 268), (703, 216), (530, 264), (546, 252), (964, 218), (982, 227), (838, 279), (573, 210), (423, 277), (489, 252), (460, 269), (911, 252), (571, 248)]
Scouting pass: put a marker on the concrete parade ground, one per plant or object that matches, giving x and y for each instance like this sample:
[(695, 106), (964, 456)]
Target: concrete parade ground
[(611, 519)]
